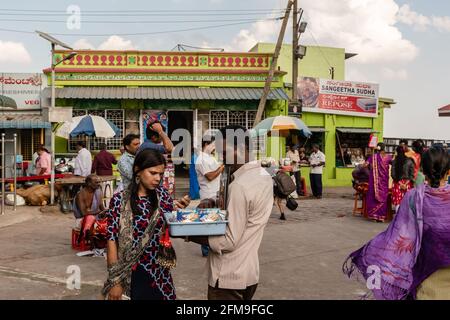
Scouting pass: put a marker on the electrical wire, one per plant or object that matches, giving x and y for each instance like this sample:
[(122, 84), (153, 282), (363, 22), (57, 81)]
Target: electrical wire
[(140, 14), (139, 33), (162, 10), (136, 21)]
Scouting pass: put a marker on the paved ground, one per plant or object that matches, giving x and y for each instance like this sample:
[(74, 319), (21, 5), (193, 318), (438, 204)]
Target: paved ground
[(300, 258)]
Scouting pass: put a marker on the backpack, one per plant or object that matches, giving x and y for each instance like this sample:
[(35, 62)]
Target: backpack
[(284, 183)]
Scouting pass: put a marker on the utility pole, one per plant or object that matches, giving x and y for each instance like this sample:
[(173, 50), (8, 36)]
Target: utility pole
[(295, 24), (262, 102)]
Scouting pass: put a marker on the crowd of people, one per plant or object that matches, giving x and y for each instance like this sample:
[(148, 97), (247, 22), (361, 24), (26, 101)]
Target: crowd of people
[(411, 252), (411, 256), (403, 169)]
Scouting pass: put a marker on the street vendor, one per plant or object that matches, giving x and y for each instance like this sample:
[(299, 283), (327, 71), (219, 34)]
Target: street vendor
[(233, 265)]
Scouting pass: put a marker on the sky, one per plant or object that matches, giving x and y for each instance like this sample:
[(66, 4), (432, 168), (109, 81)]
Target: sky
[(402, 44)]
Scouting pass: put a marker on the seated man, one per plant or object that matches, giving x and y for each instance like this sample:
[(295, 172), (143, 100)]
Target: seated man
[(87, 205)]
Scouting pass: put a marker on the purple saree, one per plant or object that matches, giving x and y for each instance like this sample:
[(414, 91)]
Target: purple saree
[(377, 195), (414, 246)]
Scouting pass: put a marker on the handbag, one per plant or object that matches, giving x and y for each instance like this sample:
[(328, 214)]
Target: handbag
[(291, 204)]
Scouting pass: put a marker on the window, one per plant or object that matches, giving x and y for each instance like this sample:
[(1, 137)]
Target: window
[(351, 148), (221, 118), (116, 116), (29, 141)]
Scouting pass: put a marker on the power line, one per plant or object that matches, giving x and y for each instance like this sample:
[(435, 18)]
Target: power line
[(162, 10), (136, 21), (138, 33), (136, 14)]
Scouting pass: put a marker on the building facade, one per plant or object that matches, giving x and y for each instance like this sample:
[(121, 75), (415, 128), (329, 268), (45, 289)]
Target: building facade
[(335, 133), (197, 91)]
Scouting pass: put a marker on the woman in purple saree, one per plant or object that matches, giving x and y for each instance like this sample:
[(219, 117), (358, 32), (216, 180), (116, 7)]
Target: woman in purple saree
[(411, 259), (377, 195)]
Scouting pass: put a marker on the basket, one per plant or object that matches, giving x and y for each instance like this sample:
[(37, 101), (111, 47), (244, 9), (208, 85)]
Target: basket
[(84, 245)]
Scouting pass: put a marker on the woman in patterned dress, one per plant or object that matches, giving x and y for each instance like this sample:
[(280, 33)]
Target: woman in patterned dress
[(137, 235)]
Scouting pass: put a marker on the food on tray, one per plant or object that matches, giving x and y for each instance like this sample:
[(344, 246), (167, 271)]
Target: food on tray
[(211, 217), (197, 215)]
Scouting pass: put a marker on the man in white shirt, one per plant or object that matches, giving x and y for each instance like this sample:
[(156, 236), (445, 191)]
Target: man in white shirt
[(317, 161), (208, 172), (83, 162)]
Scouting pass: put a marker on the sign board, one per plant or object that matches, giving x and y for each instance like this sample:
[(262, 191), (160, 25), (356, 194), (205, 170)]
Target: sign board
[(24, 88), (59, 114), (338, 97)]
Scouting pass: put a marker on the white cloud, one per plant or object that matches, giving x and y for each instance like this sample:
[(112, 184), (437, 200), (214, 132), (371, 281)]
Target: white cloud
[(14, 52), (392, 74), (412, 18), (83, 44), (112, 43), (421, 22), (367, 27), (116, 43), (441, 23), (261, 31)]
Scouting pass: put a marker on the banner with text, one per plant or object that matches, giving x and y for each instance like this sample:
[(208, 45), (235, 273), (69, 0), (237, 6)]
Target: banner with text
[(338, 97), (22, 89)]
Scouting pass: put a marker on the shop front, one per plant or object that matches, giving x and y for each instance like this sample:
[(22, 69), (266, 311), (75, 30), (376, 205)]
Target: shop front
[(21, 115), (195, 91)]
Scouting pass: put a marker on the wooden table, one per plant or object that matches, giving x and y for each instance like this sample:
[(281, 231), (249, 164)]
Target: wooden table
[(66, 190)]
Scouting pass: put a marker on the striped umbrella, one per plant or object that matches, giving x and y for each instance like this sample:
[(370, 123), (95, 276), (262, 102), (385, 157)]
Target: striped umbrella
[(283, 124), (88, 125)]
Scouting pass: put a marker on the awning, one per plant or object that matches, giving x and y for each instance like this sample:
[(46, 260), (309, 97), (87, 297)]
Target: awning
[(23, 121), (317, 129), (7, 102), (356, 130), (444, 111), (165, 93)]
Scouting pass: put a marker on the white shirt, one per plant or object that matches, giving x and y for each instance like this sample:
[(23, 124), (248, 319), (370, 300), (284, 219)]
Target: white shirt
[(233, 259), (204, 164), (295, 158), (316, 158), (83, 163)]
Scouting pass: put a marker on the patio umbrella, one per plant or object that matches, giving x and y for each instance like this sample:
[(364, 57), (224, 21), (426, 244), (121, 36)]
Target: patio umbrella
[(282, 124), (88, 125)]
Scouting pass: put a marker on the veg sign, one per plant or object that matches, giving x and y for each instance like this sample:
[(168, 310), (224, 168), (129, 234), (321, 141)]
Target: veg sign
[(24, 88)]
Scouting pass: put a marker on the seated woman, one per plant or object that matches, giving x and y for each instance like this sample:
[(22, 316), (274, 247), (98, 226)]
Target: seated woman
[(411, 260), (87, 204)]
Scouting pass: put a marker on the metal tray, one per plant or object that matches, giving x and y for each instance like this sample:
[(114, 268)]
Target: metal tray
[(180, 229)]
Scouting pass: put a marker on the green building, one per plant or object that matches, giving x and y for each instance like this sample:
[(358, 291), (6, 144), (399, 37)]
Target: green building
[(335, 133)]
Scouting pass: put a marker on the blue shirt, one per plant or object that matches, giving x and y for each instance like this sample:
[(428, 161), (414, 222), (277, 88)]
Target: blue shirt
[(151, 145), (125, 167)]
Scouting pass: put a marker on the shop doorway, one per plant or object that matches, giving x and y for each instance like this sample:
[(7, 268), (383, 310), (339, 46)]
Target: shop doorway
[(181, 119)]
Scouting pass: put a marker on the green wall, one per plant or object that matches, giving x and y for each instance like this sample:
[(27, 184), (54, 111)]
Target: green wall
[(317, 63)]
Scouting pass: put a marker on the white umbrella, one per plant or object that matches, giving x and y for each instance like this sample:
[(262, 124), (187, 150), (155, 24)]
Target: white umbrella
[(88, 125)]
